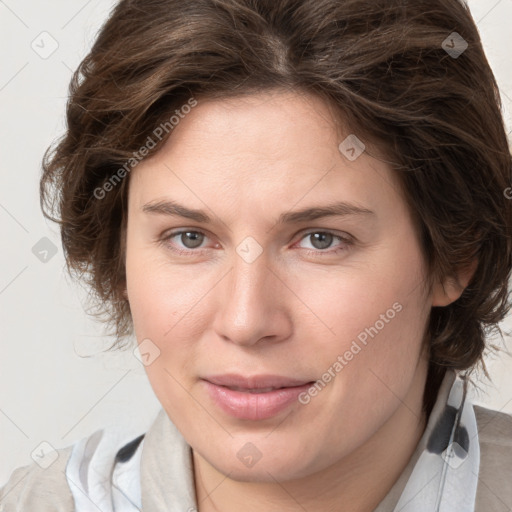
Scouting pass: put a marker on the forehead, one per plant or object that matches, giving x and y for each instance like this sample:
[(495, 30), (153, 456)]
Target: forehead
[(263, 150)]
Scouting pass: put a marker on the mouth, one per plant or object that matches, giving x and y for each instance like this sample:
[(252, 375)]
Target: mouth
[(254, 398)]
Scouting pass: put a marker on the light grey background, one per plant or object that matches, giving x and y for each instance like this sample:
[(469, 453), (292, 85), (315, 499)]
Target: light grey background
[(53, 387)]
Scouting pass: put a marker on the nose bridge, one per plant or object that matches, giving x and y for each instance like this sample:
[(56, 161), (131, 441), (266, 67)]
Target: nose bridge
[(250, 270), (248, 288), (250, 307)]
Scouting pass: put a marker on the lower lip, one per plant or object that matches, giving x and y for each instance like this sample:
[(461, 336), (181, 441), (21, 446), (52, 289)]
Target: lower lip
[(254, 406)]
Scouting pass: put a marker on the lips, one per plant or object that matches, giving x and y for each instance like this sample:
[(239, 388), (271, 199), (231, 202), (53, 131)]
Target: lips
[(254, 398)]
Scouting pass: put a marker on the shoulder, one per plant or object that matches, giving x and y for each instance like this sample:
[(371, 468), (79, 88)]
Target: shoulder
[(34, 487), (494, 491), (74, 476)]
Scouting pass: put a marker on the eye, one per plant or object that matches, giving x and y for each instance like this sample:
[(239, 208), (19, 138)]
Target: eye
[(189, 238), (321, 240)]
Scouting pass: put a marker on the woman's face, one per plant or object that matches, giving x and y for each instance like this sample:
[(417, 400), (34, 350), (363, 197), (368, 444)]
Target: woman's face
[(251, 288)]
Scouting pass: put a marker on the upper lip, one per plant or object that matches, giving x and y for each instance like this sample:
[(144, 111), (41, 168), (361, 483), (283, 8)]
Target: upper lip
[(255, 381)]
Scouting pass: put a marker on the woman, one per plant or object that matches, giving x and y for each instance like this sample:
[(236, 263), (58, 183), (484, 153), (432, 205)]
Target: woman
[(299, 210)]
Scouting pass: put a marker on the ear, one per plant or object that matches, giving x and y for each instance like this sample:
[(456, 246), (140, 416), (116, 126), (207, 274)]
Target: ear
[(449, 290)]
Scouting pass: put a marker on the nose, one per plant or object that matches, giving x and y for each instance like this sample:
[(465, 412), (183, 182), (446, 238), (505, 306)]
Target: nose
[(253, 304)]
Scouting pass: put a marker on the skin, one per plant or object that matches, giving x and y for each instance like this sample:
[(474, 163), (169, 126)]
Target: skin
[(290, 312)]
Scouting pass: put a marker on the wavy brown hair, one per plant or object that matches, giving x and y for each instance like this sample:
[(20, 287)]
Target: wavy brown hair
[(381, 64)]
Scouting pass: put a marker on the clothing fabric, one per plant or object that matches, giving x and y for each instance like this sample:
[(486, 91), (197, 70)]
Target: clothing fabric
[(442, 474), (463, 458)]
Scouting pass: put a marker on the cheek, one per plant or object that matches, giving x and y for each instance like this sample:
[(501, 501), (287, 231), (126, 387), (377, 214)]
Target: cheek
[(162, 303), (168, 306), (382, 334), (362, 302), (372, 323), (162, 295)]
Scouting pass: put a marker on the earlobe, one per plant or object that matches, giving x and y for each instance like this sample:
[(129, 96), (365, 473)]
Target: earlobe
[(451, 288), (446, 292)]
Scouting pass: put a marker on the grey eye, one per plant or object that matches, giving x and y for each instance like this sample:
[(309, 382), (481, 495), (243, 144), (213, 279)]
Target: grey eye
[(321, 240), (191, 239)]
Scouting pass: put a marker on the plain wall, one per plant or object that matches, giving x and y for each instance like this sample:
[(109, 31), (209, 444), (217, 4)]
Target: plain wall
[(55, 385)]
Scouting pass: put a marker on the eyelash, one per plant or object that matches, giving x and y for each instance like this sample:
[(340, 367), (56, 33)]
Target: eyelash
[(347, 241)]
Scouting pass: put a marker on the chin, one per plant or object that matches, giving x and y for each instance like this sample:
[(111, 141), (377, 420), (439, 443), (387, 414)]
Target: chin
[(260, 461)]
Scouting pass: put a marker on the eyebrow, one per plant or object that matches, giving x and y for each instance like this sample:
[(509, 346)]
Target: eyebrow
[(341, 209)]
